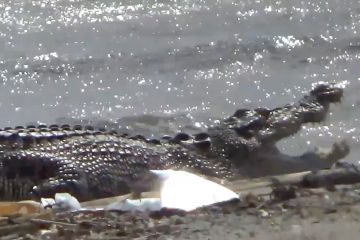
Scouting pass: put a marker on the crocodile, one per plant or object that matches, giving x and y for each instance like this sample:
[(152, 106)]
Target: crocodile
[(39, 161)]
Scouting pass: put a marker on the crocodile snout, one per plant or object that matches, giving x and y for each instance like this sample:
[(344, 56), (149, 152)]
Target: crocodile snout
[(330, 93)]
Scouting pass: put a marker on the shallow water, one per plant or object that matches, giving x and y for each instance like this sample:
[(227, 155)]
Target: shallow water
[(183, 63)]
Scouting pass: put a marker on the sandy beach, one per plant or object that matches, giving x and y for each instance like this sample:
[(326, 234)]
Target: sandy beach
[(299, 214)]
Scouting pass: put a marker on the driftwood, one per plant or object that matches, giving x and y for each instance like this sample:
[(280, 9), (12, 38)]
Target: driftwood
[(265, 185), (106, 201), (323, 178)]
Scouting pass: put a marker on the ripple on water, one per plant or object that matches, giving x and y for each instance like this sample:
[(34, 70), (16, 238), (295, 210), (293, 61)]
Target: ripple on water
[(114, 59)]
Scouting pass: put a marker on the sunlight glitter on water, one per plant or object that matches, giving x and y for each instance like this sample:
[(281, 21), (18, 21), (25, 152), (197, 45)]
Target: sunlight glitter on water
[(110, 59)]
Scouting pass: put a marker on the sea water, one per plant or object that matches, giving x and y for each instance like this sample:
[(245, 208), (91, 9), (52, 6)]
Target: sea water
[(157, 67)]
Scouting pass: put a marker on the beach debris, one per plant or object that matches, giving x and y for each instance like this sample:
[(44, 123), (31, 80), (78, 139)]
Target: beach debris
[(185, 191), (263, 213), (98, 217), (179, 190), (61, 203), (20, 208)]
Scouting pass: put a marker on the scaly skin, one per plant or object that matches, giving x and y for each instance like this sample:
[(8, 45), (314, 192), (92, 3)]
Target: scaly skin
[(40, 161)]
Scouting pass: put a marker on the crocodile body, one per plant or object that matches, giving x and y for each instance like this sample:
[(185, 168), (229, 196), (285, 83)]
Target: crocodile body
[(38, 161)]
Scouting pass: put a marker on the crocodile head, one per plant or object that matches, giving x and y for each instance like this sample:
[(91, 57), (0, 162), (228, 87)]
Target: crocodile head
[(247, 134)]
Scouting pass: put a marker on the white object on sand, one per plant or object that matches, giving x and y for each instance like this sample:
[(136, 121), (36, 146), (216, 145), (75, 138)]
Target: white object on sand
[(62, 202), (186, 191)]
